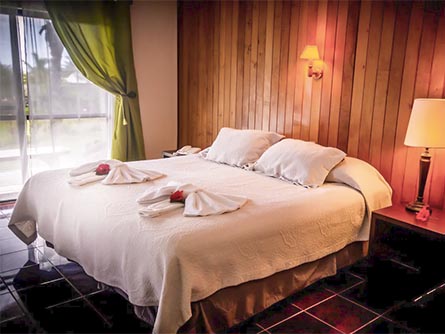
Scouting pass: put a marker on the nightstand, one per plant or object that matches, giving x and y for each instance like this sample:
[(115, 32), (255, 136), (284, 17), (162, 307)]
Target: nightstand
[(168, 153), (398, 237), (407, 256)]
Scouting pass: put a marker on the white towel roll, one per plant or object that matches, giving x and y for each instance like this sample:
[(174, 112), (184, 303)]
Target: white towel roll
[(91, 166), (156, 209), (205, 203), (159, 194), (123, 174)]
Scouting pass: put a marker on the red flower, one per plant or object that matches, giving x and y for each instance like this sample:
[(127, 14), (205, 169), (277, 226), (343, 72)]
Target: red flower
[(177, 196), (103, 169)]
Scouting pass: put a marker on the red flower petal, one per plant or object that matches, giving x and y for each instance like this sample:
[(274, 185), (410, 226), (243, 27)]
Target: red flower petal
[(103, 169), (177, 196)]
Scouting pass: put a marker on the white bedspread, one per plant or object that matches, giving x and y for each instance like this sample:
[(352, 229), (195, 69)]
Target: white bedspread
[(172, 260)]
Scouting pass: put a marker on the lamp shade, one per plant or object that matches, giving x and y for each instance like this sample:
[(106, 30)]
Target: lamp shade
[(310, 52), (426, 127)]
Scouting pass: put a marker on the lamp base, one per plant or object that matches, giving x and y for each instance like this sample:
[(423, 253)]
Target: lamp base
[(415, 206)]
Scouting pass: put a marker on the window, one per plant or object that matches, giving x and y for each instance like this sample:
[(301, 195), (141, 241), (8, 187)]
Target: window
[(50, 115)]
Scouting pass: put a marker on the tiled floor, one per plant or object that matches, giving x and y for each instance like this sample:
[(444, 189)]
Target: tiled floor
[(43, 292)]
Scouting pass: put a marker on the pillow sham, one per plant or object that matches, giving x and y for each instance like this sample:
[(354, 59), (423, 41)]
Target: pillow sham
[(241, 147), (302, 162), (350, 170), (360, 175)]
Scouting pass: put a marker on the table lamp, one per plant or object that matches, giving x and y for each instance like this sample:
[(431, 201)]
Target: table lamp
[(426, 128)]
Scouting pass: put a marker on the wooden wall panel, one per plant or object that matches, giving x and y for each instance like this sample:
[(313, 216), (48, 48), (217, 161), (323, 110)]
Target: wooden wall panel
[(239, 66)]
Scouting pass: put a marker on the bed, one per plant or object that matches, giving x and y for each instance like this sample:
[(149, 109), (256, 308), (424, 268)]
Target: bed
[(204, 274)]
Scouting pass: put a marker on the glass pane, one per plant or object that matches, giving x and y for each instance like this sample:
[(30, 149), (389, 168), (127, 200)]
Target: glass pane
[(10, 167), (67, 152), (68, 115)]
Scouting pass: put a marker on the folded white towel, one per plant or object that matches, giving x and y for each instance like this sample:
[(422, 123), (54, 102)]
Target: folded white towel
[(205, 203), (198, 202), (151, 196), (156, 209), (91, 166), (85, 178), (122, 173)]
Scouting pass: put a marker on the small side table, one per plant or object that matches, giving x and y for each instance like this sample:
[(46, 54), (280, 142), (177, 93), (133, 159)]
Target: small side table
[(408, 254), (397, 236)]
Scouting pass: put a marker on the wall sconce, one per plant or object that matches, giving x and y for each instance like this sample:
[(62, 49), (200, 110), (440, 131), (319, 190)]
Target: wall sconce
[(426, 128), (310, 53)]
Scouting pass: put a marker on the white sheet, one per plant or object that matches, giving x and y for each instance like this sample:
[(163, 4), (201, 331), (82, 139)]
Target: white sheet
[(172, 260)]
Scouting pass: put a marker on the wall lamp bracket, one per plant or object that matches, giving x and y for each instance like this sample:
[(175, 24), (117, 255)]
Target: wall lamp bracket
[(314, 73)]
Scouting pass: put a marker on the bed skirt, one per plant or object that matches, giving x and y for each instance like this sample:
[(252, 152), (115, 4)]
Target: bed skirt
[(232, 305)]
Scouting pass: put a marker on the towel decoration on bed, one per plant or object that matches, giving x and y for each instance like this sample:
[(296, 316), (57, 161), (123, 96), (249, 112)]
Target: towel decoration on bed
[(196, 201), (110, 172), (91, 167)]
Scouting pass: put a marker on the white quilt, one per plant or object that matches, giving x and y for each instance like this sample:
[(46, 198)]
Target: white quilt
[(172, 260)]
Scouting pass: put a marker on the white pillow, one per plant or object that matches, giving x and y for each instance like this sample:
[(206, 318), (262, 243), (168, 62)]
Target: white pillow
[(241, 147), (358, 174), (203, 153), (299, 161)]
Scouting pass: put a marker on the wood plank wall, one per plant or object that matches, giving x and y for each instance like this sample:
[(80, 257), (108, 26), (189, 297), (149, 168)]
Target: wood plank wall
[(239, 66)]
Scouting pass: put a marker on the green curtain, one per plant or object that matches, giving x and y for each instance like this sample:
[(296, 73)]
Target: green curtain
[(97, 36)]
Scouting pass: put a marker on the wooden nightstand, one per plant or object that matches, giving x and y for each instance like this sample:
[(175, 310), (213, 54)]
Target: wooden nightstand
[(397, 236), (408, 255)]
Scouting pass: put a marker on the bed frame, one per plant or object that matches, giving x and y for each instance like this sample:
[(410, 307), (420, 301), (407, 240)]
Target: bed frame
[(233, 305)]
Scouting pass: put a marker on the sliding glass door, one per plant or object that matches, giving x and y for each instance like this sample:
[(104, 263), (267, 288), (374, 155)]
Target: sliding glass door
[(50, 115), (13, 168)]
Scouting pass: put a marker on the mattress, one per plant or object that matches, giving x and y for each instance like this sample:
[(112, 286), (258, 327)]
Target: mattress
[(171, 261)]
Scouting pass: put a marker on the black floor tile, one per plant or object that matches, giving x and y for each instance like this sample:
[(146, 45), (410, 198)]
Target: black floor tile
[(7, 209), (73, 317), (39, 297), (30, 275), (342, 314), (7, 212), (18, 325), (9, 308), (360, 268), (3, 287), (245, 328), (386, 286), (20, 259), (377, 298), (77, 276), (425, 315), (383, 326), (119, 312), (311, 296), (4, 220), (13, 245), (275, 314), (6, 233), (340, 282), (302, 323)]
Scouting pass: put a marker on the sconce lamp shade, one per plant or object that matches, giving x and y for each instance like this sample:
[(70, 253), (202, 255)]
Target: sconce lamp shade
[(310, 52), (426, 127)]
